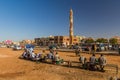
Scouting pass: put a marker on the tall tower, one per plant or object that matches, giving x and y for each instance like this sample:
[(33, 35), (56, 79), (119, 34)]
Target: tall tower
[(71, 36)]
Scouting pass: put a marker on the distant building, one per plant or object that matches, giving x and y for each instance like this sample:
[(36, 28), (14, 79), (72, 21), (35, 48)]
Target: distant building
[(44, 41), (64, 40), (16, 43), (23, 42), (37, 41), (59, 40)]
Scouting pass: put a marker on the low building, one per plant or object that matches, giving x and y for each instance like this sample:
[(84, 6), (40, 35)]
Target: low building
[(65, 40), (44, 41), (59, 40)]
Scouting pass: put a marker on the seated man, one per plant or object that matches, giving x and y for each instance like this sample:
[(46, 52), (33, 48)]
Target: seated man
[(42, 56), (102, 62), (24, 55), (92, 62), (50, 55), (32, 56), (77, 51), (38, 56), (82, 60), (57, 58)]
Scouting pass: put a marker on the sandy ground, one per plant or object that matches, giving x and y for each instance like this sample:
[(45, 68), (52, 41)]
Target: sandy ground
[(13, 68)]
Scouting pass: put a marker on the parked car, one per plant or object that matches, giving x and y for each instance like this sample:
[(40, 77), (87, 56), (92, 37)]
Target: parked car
[(54, 46), (17, 47), (85, 47), (73, 46), (3, 46)]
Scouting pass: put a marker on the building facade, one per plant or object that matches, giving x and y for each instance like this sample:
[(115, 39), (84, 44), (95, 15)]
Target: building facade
[(44, 41), (59, 40)]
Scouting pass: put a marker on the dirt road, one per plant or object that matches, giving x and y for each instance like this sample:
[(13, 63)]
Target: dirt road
[(13, 68)]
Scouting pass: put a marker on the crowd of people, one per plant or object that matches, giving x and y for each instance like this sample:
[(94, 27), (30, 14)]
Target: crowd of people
[(42, 56), (93, 63)]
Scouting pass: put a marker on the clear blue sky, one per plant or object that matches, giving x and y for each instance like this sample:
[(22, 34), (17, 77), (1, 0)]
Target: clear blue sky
[(29, 19)]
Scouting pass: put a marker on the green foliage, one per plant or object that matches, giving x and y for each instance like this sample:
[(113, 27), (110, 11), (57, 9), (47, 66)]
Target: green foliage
[(102, 40), (89, 40), (113, 41)]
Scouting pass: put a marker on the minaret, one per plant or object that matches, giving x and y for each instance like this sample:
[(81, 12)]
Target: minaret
[(71, 36)]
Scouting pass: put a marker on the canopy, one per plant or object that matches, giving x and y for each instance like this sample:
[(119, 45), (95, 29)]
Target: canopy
[(29, 46)]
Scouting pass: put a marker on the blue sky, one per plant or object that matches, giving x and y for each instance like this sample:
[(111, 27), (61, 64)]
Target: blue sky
[(28, 19)]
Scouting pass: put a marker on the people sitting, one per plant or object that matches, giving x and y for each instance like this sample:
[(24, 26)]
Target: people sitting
[(57, 58), (50, 55), (92, 62), (25, 55), (33, 56), (102, 62), (43, 56), (77, 51), (82, 60), (38, 56)]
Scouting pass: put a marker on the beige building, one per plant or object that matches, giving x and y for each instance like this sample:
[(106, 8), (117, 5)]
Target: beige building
[(23, 42), (44, 41), (29, 41), (59, 40), (64, 40)]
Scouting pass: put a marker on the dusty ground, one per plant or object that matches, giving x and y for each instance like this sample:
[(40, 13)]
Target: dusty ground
[(13, 68)]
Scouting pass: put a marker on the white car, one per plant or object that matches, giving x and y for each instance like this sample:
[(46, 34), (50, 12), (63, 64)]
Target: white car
[(17, 47), (3, 46)]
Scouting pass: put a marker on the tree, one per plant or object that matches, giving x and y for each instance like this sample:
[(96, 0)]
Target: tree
[(89, 40), (102, 40), (113, 41)]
